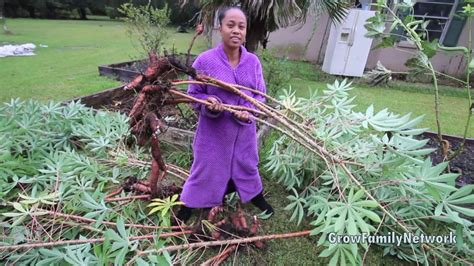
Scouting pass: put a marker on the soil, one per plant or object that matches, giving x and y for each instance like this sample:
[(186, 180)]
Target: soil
[(141, 65), (137, 66), (463, 163)]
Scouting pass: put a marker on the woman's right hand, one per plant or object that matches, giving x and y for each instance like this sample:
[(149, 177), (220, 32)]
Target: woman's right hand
[(215, 105)]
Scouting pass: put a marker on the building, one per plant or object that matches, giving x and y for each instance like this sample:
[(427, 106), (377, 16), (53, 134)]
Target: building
[(308, 42)]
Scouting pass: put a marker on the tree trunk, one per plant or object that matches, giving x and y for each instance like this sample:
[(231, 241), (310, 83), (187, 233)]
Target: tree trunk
[(256, 34), (82, 13), (3, 20), (2, 6), (31, 11)]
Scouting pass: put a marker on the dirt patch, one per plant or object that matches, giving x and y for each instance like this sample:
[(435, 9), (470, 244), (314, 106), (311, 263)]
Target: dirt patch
[(463, 163)]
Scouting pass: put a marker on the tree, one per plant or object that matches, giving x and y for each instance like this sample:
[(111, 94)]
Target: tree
[(3, 20), (81, 7), (267, 16)]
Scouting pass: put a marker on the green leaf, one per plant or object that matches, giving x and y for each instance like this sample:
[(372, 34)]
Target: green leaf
[(19, 207), (429, 48), (12, 214), (340, 222), (465, 211), (327, 252), (141, 262), (120, 257), (121, 228), (366, 203), (351, 225), (370, 214), (335, 258)]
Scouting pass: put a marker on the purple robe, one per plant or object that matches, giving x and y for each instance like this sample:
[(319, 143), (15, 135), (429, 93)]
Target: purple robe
[(224, 147)]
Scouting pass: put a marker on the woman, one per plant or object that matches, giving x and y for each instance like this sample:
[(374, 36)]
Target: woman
[(225, 145)]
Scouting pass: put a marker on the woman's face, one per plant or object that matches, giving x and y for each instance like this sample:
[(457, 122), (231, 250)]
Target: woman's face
[(233, 28)]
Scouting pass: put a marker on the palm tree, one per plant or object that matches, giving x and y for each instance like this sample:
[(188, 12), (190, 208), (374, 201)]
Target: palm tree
[(265, 16)]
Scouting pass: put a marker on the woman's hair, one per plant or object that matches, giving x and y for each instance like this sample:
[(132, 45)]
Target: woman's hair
[(223, 11)]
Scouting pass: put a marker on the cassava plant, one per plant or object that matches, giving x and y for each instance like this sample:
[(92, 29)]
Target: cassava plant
[(415, 31), (393, 175), (276, 72), (57, 163)]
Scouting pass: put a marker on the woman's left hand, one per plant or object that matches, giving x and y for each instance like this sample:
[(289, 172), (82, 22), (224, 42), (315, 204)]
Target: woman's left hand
[(242, 116)]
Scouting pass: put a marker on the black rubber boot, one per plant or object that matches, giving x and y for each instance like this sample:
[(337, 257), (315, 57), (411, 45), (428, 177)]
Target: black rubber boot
[(230, 189), (262, 204), (183, 215)]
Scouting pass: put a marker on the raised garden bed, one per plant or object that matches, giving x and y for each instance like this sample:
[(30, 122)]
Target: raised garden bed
[(463, 163), (126, 71)]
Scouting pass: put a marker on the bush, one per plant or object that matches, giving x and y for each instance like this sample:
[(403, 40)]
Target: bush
[(112, 12), (275, 71)]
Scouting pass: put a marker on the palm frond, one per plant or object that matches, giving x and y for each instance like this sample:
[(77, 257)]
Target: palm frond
[(275, 13), (336, 9)]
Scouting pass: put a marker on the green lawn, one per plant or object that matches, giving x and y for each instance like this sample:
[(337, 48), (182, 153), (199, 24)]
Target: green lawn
[(67, 68), (399, 97), (453, 109)]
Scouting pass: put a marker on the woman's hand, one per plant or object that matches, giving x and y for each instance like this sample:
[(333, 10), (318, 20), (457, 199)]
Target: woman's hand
[(215, 105), (243, 116)]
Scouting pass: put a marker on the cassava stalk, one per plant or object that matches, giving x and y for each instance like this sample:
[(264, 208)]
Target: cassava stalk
[(225, 242), (468, 88), (85, 241), (186, 82), (89, 220)]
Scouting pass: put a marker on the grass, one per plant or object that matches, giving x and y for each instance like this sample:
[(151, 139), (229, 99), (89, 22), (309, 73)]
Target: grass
[(398, 96), (67, 68)]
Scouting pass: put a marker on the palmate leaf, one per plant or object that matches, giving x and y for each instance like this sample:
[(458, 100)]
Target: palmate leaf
[(79, 254), (350, 217), (120, 243), (452, 204), (50, 256), (341, 254), (164, 205), (296, 205), (48, 199), (430, 177), (99, 209), (394, 169), (319, 207), (375, 25)]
